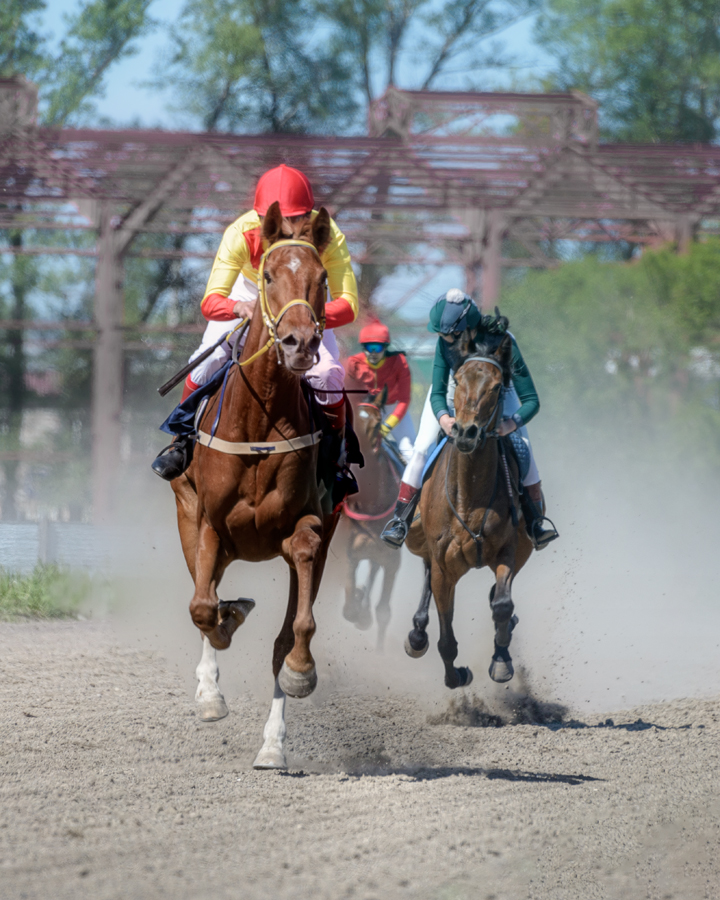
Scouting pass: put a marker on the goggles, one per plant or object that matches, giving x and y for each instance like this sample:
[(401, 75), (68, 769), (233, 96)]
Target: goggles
[(374, 347)]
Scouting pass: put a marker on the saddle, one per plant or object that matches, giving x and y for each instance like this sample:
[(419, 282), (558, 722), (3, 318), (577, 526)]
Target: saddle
[(332, 469), (513, 442)]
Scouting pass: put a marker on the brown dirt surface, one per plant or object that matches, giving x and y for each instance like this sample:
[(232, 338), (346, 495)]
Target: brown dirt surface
[(110, 787)]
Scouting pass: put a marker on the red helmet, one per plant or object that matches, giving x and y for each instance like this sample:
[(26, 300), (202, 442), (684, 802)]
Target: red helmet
[(375, 333), (288, 186)]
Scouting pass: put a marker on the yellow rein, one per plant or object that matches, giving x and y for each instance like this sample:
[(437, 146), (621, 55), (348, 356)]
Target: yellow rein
[(272, 322)]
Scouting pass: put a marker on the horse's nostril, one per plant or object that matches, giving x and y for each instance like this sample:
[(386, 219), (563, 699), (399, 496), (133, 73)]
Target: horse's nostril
[(456, 430), (289, 341), (314, 343), (471, 432)]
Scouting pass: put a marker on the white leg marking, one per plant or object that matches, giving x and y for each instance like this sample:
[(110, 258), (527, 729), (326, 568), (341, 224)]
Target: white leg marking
[(211, 701), (271, 755)]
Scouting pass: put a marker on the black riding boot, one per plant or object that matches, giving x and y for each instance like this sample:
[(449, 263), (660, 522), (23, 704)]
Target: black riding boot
[(174, 459), (396, 530), (535, 521)]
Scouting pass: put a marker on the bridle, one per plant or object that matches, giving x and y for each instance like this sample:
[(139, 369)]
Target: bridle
[(378, 440), (494, 415), (273, 321), (478, 536)]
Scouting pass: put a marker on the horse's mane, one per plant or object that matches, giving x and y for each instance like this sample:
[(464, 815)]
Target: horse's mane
[(488, 348), (492, 332)]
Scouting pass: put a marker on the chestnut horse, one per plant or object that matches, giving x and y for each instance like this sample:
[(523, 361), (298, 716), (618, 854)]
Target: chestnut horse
[(233, 506), (367, 512), (470, 515)]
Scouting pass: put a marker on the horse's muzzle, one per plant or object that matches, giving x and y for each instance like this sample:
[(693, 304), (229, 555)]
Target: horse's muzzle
[(299, 355), (465, 439)]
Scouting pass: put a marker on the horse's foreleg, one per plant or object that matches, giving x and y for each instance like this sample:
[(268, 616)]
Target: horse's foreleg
[(416, 643), (351, 590), (501, 604), (186, 502), (382, 610), (211, 703), (218, 623), (364, 618), (304, 550), (272, 754), (444, 592)]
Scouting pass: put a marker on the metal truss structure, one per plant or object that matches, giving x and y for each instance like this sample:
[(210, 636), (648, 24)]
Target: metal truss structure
[(479, 180)]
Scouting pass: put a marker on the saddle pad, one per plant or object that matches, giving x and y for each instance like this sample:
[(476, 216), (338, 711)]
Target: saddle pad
[(522, 453), (431, 459), (181, 420)]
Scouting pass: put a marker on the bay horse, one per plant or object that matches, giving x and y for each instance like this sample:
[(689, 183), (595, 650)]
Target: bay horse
[(264, 502), (367, 512), (470, 515)]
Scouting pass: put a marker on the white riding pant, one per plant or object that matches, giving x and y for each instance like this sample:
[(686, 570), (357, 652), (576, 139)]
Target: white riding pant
[(429, 428), (326, 375), (404, 434)]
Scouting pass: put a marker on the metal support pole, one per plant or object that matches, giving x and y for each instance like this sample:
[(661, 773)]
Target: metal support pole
[(491, 262), (107, 388)]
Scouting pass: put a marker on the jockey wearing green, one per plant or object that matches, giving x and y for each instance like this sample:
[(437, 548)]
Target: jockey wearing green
[(453, 314)]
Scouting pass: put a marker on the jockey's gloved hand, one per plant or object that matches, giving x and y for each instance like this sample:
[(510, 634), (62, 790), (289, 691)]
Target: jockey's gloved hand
[(385, 429), (244, 309)]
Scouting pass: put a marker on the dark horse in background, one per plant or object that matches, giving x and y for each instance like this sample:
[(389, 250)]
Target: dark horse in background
[(367, 512), (470, 514), (240, 505)]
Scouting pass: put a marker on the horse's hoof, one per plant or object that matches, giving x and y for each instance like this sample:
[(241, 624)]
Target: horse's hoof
[(349, 614), (270, 758), (364, 620), (297, 684), (461, 677), (465, 676), (415, 653), (212, 710), (238, 609), (501, 670)]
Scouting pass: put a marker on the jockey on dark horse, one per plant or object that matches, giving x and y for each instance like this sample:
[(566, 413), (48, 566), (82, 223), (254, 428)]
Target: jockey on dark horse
[(232, 292), (376, 368), (454, 314)]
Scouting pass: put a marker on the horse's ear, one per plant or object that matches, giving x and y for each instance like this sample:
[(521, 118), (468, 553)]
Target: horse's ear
[(381, 398), (503, 354), (272, 225), (321, 230)]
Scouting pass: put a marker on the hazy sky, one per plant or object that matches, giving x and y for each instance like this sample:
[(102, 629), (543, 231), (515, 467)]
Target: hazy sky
[(126, 100)]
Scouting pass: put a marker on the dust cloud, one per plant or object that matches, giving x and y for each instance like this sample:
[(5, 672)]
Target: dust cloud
[(621, 611)]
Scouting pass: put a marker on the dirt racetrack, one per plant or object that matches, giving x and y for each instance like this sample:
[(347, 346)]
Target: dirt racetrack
[(111, 788)]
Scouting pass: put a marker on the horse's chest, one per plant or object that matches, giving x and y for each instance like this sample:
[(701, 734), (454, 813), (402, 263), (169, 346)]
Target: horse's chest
[(271, 499)]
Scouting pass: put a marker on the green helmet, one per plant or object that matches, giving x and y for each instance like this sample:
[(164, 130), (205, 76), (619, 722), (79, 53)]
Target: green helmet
[(454, 311)]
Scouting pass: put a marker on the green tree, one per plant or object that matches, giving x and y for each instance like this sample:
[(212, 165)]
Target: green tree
[(99, 34), (417, 44), (654, 65), (254, 65), (20, 42)]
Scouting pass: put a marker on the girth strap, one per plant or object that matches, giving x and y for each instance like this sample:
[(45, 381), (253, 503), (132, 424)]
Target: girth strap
[(258, 448)]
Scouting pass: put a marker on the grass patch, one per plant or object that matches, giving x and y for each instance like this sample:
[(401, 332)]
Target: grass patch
[(48, 592)]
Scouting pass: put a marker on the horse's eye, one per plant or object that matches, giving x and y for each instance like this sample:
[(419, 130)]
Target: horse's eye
[(268, 279)]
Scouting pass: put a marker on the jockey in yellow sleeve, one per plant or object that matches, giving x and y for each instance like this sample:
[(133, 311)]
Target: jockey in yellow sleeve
[(232, 291)]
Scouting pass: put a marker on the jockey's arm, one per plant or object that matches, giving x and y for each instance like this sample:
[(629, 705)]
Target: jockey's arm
[(342, 309), (233, 254), (402, 383), (525, 387), (440, 381)]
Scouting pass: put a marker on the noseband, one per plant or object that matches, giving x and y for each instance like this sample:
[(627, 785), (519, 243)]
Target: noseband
[(273, 321), (484, 433)]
